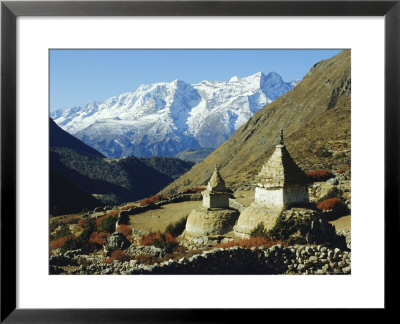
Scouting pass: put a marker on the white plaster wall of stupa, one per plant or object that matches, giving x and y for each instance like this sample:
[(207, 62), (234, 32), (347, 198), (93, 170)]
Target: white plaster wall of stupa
[(281, 197), (216, 201)]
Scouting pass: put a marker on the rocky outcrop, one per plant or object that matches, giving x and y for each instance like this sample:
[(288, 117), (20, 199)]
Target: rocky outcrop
[(116, 241)]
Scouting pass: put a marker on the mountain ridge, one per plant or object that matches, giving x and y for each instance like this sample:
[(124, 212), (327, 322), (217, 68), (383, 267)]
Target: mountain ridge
[(169, 117)]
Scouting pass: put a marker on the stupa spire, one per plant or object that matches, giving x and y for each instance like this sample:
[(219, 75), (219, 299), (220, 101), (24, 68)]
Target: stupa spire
[(281, 141)]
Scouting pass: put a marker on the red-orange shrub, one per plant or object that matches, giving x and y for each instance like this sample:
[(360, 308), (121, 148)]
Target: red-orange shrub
[(117, 254), (319, 175), (251, 242), (340, 171), (125, 229), (98, 238), (82, 223), (58, 243), (164, 241), (170, 238), (151, 200), (148, 239), (128, 207), (331, 204), (100, 220)]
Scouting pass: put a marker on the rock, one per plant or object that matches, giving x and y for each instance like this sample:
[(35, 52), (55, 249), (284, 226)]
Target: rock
[(332, 181), (146, 250), (72, 253), (116, 241), (346, 270), (313, 259)]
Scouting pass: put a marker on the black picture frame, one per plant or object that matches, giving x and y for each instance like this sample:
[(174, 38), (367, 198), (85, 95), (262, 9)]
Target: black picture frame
[(10, 10)]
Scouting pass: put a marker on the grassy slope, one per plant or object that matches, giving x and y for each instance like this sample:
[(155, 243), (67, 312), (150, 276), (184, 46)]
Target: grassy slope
[(315, 114)]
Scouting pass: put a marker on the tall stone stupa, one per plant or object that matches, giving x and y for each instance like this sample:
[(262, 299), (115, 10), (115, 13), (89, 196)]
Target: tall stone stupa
[(281, 183)]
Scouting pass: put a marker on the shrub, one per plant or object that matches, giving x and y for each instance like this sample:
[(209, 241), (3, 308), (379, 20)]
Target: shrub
[(98, 238), (125, 230), (82, 241), (335, 205), (164, 241), (58, 243), (90, 227), (82, 223), (177, 228), (334, 192), (128, 207), (323, 152), (72, 219), (319, 175), (108, 224), (73, 243), (117, 254), (63, 232), (259, 231), (100, 220), (151, 200), (340, 155)]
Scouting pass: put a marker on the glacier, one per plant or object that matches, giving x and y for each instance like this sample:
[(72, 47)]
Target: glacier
[(165, 118)]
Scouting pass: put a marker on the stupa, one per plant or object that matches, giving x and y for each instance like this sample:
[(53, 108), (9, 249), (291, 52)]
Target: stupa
[(215, 217), (217, 194), (281, 183)]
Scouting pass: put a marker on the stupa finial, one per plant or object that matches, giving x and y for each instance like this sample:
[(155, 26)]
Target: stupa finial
[(281, 142)]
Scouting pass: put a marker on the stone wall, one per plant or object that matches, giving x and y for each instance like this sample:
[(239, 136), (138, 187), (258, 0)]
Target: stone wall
[(274, 260)]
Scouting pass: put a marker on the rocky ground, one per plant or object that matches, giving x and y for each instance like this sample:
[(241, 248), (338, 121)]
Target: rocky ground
[(299, 259)]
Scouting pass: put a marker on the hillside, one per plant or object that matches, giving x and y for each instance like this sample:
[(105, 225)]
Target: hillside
[(77, 172), (315, 116), (169, 166), (194, 155), (114, 181), (60, 138), (66, 197)]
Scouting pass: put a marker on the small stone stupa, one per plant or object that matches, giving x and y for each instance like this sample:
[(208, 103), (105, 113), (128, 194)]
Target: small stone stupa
[(217, 194), (215, 217), (281, 183)]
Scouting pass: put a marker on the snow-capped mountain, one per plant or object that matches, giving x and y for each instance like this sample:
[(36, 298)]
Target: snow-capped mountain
[(167, 118)]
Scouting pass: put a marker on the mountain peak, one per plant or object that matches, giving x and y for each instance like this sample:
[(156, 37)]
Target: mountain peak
[(273, 77), (166, 118)]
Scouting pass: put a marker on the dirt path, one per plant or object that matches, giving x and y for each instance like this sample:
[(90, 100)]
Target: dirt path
[(159, 219)]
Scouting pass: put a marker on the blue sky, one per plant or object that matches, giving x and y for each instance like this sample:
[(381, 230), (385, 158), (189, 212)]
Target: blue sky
[(80, 76)]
